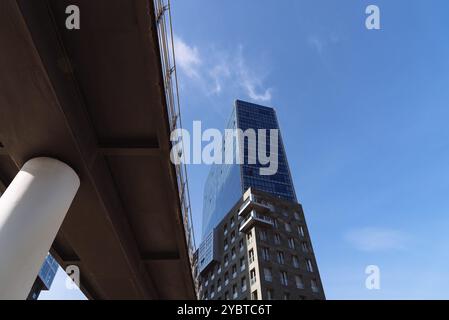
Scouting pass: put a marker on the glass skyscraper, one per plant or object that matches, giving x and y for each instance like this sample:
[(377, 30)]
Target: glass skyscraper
[(226, 182), (45, 277), (256, 244)]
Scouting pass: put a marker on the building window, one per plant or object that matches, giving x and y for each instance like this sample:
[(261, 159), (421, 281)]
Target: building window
[(243, 284), (233, 253), (288, 227), (234, 271), (266, 254), (226, 295), (305, 247), (218, 285), (241, 247), (226, 246), (212, 292), (263, 235), (280, 256), (242, 264), (291, 243), (232, 222), (232, 236), (286, 296), (275, 223), (296, 214), (252, 276), (267, 275), (249, 237), (299, 282), (226, 278), (270, 294), (225, 229), (314, 285), (234, 291), (295, 261), (251, 256), (309, 265), (301, 231), (284, 278), (254, 295), (219, 269), (226, 260), (277, 238)]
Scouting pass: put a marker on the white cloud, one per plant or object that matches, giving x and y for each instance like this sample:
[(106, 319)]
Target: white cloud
[(317, 43), (320, 43), (187, 58), (377, 239), (250, 87), (221, 72), (250, 82)]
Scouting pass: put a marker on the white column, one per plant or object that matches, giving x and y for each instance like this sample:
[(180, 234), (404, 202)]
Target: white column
[(32, 210)]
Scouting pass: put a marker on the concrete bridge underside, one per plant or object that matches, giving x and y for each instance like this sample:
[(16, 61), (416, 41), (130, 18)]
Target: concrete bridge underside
[(94, 99)]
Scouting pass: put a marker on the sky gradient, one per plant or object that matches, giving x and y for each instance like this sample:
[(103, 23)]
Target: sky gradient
[(364, 117)]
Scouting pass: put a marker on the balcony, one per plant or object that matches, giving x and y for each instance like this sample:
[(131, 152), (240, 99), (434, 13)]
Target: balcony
[(254, 202), (256, 218)]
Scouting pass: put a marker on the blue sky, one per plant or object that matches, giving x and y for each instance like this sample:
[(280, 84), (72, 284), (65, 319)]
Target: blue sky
[(363, 115)]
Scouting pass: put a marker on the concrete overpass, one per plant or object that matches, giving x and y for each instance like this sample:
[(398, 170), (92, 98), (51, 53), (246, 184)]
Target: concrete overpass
[(99, 99)]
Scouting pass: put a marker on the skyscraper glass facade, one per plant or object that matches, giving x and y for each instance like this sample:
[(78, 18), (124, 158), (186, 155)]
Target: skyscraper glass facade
[(252, 116), (45, 277), (222, 189), (48, 271), (226, 182)]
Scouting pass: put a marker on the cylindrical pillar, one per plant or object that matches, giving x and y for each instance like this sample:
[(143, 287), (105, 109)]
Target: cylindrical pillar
[(32, 210)]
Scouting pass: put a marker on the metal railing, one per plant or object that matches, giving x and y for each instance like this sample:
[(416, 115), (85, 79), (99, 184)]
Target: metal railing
[(167, 51)]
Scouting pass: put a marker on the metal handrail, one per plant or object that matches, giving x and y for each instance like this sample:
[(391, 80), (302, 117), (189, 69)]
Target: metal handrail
[(169, 71)]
